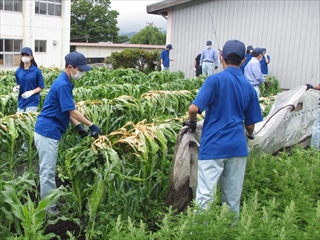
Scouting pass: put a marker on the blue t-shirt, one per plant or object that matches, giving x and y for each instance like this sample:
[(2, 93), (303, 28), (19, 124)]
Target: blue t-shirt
[(28, 80), (229, 101), (248, 58), (165, 57), (54, 117), (264, 65)]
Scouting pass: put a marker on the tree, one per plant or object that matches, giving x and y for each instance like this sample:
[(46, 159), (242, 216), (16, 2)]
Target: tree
[(143, 60), (92, 21), (123, 39), (149, 35)]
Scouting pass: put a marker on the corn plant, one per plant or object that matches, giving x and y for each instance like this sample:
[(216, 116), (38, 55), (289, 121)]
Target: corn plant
[(22, 185), (8, 103), (81, 163), (143, 144), (25, 124), (31, 218), (166, 103), (9, 135)]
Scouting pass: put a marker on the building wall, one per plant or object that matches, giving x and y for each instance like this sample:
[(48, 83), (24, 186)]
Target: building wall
[(289, 30), (28, 27)]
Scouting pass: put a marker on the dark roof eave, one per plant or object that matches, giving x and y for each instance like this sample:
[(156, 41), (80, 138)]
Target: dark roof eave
[(161, 8)]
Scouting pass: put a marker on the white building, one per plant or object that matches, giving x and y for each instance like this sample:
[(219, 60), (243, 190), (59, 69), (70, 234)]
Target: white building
[(288, 29), (42, 25), (106, 49)]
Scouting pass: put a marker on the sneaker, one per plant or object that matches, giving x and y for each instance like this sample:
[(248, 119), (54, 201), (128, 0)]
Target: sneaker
[(53, 210)]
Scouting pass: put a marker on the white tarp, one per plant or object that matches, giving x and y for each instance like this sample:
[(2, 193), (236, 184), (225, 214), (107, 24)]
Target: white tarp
[(289, 121)]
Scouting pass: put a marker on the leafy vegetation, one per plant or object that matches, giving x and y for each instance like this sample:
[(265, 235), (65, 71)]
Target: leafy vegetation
[(93, 21), (143, 60), (115, 187), (150, 35)]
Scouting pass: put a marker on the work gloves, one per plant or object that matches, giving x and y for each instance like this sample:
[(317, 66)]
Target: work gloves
[(309, 86), (16, 89), (191, 124), (27, 94), (82, 132), (251, 137), (216, 67), (94, 131)]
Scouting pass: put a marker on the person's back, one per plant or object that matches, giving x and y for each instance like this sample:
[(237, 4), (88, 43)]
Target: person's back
[(231, 97), (232, 108)]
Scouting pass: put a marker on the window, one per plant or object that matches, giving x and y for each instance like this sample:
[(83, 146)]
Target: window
[(11, 5), (48, 7), (10, 52), (40, 45)]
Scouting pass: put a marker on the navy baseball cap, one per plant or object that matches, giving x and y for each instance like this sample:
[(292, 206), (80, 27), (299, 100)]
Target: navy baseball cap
[(209, 43), (78, 60), (27, 50), (256, 52), (234, 46), (249, 48), (169, 46)]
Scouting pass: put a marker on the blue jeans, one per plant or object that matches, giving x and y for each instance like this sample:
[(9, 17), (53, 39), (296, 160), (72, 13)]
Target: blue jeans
[(229, 172), (48, 153)]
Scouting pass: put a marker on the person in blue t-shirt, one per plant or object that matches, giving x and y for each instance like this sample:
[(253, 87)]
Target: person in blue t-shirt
[(30, 83), (231, 110), (248, 58), (58, 110), (165, 57), (265, 60)]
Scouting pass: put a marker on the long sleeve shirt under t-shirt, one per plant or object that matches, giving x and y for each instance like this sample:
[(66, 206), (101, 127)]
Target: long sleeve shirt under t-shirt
[(209, 55), (253, 72)]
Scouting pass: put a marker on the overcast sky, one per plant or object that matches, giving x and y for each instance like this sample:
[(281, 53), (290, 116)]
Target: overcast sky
[(133, 15)]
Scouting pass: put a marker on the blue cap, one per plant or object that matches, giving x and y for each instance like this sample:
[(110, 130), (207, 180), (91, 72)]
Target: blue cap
[(209, 43), (26, 50), (78, 60), (256, 52), (234, 46), (249, 48), (169, 46)]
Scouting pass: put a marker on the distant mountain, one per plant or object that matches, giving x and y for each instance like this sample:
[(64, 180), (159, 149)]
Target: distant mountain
[(129, 35)]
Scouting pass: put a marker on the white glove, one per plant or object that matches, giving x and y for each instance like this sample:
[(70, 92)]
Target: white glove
[(162, 67), (16, 89), (195, 69), (27, 94)]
